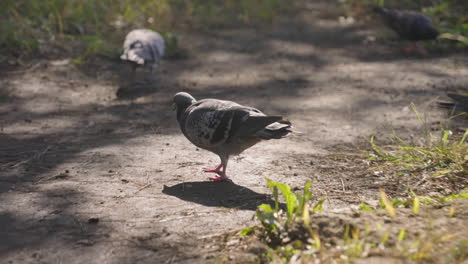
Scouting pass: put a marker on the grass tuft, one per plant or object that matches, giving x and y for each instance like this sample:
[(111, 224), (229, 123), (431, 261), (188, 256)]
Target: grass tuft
[(441, 154), (298, 234)]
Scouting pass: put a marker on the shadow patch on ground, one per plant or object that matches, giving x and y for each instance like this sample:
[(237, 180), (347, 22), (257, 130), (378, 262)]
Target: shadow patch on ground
[(133, 91), (221, 194)]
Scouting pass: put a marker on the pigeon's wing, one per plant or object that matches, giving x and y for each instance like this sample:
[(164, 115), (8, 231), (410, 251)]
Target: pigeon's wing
[(213, 122), (400, 22), (419, 27)]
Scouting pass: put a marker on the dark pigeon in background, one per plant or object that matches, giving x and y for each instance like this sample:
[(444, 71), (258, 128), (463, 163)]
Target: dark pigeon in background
[(409, 25), (143, 47), (225, 128), (459, 102)]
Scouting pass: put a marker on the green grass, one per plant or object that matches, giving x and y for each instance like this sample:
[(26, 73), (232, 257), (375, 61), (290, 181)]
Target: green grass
[(25, 24), (292, 234), (440, 154)]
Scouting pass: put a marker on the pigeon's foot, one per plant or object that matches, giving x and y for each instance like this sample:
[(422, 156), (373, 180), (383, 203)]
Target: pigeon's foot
[(215, 170), (220, 179), (421, 51), (414, 50)]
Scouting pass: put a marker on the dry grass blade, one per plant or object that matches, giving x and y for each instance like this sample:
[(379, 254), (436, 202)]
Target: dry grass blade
[(388, 205)]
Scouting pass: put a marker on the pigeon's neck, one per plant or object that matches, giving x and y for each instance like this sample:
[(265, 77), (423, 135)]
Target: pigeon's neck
[(181, 113)]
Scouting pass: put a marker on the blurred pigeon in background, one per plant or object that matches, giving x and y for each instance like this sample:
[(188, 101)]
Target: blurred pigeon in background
[(225, 128), (143, 47), (409, 25), (459, 102)]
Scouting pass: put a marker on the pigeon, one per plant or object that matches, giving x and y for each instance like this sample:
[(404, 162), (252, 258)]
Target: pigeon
[(459, 102), (225, 127), (409, 25), (143, 47)]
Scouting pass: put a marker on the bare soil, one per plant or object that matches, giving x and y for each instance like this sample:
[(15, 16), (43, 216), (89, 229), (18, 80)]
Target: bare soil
[(93, 170)]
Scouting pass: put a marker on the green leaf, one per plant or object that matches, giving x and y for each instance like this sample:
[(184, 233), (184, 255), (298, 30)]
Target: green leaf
[(246, 231), (365, 207), (401, 235), (462, 140), (289, 196), (275, 197), (446, 136), (388, 205), (416, 204), (266, 208), (384, 238), (454, 196), (319, 206), (306, 215), (305, 197)]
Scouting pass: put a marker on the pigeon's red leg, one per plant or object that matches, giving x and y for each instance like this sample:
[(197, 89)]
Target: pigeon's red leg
[(421, 50), (407, 50), (215, 170), (221, 174), (415, 49)]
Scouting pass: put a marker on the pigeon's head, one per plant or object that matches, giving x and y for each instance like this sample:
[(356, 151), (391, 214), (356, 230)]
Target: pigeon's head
[(181, 101)]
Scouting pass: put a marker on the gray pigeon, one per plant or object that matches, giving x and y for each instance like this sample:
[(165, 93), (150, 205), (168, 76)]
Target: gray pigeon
[(409, 25), (459, 103), (143, 47), (225, 128)]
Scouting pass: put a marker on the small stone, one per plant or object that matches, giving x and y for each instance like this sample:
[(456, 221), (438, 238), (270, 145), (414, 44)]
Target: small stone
[(85, 242), (232, 242)]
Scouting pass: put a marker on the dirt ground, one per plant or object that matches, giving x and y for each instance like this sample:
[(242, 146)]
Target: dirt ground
[(95, 171)]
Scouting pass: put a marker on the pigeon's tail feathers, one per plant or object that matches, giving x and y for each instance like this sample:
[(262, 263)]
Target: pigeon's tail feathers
[(275, 130), (460, 102), (133, 56), (254, 124), (460, 98)]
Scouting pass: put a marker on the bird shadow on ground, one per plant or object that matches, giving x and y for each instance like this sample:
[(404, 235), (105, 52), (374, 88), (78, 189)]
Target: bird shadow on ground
[(134, 91), (221, 194)]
